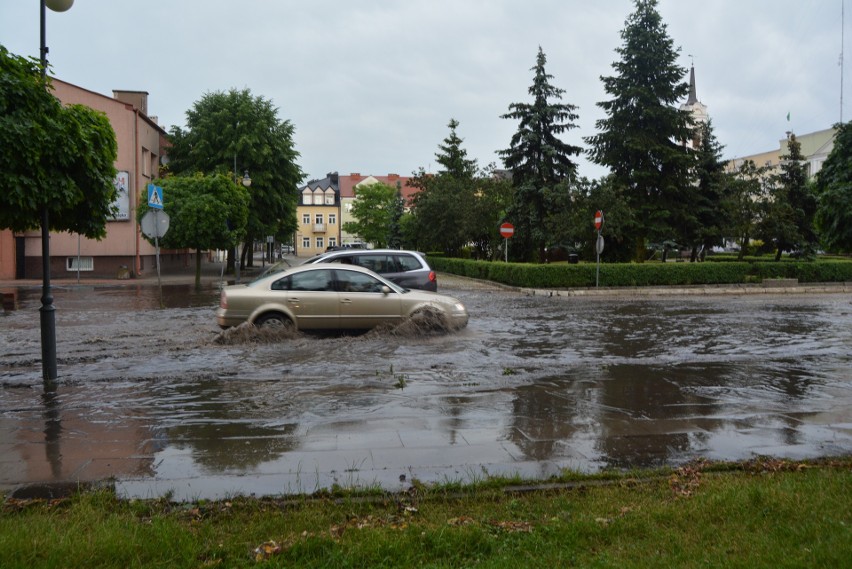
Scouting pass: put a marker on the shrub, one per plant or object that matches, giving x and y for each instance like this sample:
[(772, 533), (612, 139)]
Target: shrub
[(643, 274)]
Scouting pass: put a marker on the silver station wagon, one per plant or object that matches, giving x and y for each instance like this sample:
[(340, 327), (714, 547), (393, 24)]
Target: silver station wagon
[(332, 297), (408, 269)]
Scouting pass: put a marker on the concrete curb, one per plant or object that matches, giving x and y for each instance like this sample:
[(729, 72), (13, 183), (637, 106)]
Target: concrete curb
[(698, 290), (777, 286)]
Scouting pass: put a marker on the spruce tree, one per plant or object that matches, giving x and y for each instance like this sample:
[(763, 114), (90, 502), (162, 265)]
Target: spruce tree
[(834, 193), (709, 197), (538, 159), (395, 225), (789, 217), (641, 140), (453, 157)]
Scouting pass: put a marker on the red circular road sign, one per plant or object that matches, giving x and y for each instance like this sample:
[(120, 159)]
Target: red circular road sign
[(598, 219), (507, 230)]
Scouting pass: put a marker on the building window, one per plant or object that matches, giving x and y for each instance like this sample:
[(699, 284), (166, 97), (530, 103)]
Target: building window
[(319, 219), (146, 162), (320, 244), (332, 219), (85, 264), (318, 198), (329, 197), (306, 218), (306, 242), (306, 198), (332, 242)]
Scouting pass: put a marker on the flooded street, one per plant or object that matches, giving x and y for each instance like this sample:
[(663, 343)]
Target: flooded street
[(532, 386)]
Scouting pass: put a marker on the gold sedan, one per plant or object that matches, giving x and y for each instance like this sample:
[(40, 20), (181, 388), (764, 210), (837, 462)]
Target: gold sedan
[(332, 297)]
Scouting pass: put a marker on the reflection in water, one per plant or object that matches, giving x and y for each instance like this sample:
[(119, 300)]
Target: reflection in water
[(224, 424), (52, 429), (564, 383)]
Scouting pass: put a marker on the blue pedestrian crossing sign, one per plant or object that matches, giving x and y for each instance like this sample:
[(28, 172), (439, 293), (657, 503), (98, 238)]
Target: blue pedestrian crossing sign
[(155, 196)]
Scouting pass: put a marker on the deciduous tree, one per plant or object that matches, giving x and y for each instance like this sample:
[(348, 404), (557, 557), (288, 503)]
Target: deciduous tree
[(51, 156), (236, 132), (747, 190), (372, 209), (205, 212)]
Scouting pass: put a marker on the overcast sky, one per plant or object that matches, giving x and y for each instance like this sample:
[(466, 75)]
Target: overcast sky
[(370, 85)]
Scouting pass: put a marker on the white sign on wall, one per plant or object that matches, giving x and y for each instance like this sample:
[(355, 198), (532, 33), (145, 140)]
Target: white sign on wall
[(121, 205)]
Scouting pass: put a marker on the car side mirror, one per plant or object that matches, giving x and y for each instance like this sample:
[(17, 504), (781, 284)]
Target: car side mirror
[(386, 289)]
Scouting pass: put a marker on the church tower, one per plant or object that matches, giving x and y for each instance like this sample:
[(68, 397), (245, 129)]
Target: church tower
[(696, 109)]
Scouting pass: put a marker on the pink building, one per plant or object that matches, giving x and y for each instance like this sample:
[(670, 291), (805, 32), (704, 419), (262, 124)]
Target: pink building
[(123, 252)]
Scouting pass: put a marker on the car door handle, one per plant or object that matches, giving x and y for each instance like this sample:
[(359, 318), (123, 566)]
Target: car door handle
[(345, 301), (293, 300)]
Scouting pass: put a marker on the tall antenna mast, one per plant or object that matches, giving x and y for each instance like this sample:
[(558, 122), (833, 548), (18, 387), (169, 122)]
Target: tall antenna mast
[(842, 33)]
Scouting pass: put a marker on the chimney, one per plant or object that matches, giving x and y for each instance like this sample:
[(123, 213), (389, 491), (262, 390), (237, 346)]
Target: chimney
[(139, 99)]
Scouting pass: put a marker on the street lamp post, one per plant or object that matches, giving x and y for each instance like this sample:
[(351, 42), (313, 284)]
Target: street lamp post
[(47, 310), (246, 182)]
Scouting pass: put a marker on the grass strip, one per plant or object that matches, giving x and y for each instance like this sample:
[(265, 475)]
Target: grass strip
[(762, 513)]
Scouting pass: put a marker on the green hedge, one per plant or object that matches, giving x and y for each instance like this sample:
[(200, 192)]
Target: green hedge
[(643, 274)]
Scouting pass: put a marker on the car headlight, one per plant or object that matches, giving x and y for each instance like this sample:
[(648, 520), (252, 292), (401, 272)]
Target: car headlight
[(459, 307)]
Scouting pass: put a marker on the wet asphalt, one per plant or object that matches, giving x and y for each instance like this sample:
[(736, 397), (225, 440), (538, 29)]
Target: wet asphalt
[(155, 401)]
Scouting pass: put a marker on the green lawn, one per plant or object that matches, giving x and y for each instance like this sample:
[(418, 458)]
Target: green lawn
[(761, 514)]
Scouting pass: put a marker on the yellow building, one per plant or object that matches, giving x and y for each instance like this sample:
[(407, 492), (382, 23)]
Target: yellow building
[(816, 146), (318, 216)]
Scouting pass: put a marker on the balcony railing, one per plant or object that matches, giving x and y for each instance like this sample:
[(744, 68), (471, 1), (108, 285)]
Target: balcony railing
[(319, 227)]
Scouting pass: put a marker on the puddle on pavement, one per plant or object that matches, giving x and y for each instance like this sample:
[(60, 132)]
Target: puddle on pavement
[(533, 385)]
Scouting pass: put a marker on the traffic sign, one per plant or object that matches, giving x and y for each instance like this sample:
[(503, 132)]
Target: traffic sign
[(155, 224), (155, 197), (599, 245), (598, 220), (507, 230)]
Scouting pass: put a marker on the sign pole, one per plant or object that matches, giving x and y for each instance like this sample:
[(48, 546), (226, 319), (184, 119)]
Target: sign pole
[(507, 230), (155, 203), (157, 246), (598, 268), (599, 245)]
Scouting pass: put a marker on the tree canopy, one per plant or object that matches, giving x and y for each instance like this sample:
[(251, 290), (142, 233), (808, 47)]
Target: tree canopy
[(205, 212), (788, 214), (538, 159), (453, 157), (373, 210), (746, 191), (641, 140), (834, 193), (51, 156), (236, 132), (709, 194)]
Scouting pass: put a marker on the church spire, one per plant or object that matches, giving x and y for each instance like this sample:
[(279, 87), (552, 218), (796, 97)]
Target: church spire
[(693, 98)]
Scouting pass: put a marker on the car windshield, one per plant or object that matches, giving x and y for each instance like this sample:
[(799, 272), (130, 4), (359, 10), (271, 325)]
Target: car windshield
[(278, 267), (313, 259)]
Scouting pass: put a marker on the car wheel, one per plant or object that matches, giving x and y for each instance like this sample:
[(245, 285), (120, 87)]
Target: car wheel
[(429, 319), (274, 320)]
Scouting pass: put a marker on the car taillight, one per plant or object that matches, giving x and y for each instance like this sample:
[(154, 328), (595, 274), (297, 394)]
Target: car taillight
[(223, 300), (432, 276)]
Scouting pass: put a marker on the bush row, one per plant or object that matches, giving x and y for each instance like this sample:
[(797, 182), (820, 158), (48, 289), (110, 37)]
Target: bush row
[(643, 274)]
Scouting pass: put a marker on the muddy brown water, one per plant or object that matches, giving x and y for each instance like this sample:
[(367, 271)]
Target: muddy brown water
[(149, 398)]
